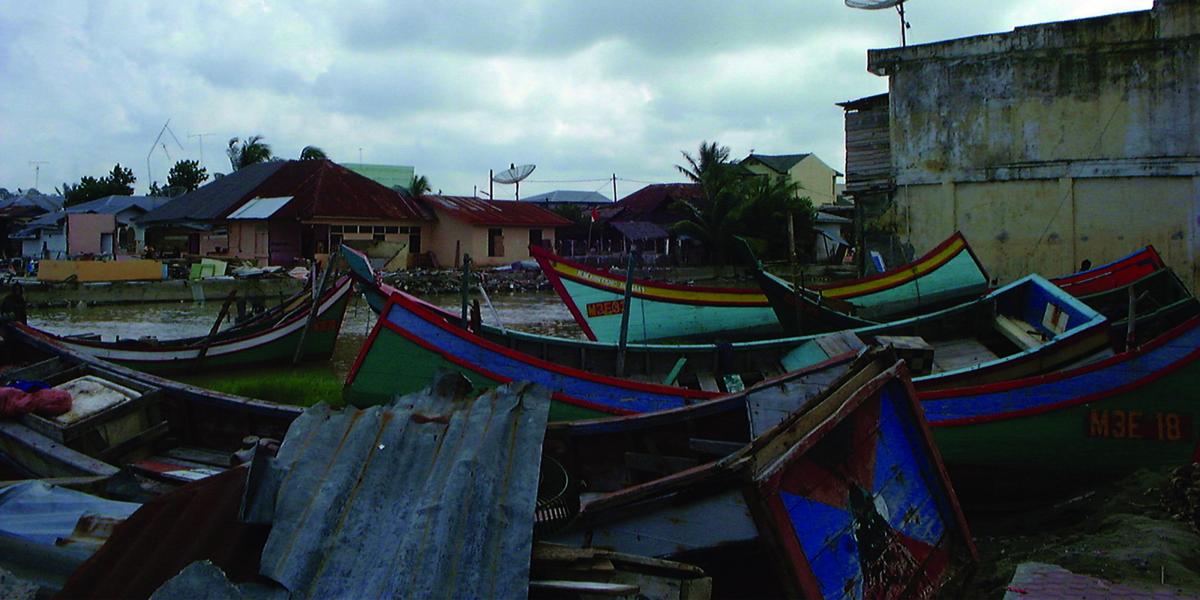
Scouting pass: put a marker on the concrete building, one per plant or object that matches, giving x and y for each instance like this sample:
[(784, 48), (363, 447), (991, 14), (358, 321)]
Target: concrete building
[(815, 179), (1050, 144), (493, 232), (105, 226)]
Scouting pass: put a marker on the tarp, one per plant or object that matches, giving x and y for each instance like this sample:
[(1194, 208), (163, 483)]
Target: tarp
[(42, 513)]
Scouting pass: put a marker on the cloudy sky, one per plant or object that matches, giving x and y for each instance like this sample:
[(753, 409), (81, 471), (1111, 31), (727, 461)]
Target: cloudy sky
[(585, 89)]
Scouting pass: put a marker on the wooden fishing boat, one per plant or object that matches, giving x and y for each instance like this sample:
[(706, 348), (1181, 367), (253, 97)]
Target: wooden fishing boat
[(1116, 274), (1138, 408), (845, 497), (262, 343), (945, 275), (814, 310), (163, 430), (1024, 328)]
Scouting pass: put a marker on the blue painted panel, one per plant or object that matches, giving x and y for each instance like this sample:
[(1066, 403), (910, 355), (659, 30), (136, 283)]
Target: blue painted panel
[(1061, 390), (826, 533), (506, 366), (904, 479)]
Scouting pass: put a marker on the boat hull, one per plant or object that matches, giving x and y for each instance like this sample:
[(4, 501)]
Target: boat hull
[(1136, 409), (261, 346)]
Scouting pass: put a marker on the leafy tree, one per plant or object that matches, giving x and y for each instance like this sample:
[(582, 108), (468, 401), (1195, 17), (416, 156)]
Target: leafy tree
[(419, 187), (187, 174), (313, 153), (712, 218), (251, 151), (119, 182), (762, 216)]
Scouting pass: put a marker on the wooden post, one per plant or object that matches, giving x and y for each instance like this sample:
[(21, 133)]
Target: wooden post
[(312, 312), (625, 317), (216, 325), (465, 286), (792, 235)]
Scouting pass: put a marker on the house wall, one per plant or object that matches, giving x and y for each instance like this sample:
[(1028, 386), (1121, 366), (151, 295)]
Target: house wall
[(249, 240), (84, 233), (1053, 143), (283, 240), (816, 180), (56, 243), (473, 240)]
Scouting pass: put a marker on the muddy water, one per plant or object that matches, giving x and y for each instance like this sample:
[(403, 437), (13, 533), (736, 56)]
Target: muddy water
[(538, 312)]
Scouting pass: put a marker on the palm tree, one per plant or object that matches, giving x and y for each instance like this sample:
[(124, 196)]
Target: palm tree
[(251, 151), (313, 153), (712, 219), (419, 187)]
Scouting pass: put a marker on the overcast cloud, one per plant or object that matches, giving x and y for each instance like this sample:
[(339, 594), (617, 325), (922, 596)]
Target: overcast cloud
[(582, 88)]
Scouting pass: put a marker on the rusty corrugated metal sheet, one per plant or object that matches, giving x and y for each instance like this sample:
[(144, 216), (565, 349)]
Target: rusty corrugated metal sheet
[(477, 211), (432, 496)]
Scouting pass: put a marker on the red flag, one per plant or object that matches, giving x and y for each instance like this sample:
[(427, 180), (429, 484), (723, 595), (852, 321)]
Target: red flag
[(595, 214)]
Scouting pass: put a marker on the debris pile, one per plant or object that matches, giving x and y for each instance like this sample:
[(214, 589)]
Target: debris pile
[(1181, 498), (423, 282)]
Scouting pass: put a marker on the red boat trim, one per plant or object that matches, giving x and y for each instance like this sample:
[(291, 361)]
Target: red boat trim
[(556, 283), (1002, 386), (542, 253), (1052, 377), (1112, 268), (902, 269), (296, 316), (412, 304), (936, 454), (500, 379)]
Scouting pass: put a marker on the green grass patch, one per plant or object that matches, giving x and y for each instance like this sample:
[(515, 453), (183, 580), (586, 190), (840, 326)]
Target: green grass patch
[(297, 386)]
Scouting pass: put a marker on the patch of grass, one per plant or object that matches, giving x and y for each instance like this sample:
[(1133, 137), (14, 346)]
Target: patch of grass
[(298, 386)]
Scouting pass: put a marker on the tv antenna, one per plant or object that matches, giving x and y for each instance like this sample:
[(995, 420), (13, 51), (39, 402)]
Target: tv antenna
[(514, 174), (37, 171), (200, 137), (166, 128), (880, 5)]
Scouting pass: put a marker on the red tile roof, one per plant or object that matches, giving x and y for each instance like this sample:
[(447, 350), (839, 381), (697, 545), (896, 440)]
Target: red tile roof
[(478, 211), (653, 203)]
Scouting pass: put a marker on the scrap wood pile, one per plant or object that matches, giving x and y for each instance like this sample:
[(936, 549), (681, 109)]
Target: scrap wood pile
[(425, 282), (1181, 498)]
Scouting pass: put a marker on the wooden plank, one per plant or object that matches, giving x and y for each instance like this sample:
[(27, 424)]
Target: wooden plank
[(588, 588), (1017, 332), (653, 463), (145, 437), (57, 459), (714, 447), (202, 456), (707, 382)]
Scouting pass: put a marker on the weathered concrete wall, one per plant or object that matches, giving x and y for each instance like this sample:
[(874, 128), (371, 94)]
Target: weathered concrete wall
[(1050, 226), (1053, 143)]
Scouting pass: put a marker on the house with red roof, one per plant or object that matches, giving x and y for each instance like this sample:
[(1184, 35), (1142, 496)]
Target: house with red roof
[(493, 232), (281, 211)]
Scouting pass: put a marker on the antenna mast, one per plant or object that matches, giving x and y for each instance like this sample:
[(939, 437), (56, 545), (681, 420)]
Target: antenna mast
[(37, 171), (881, 4), (200, 137)]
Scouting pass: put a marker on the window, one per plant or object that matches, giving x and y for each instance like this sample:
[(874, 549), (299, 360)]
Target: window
[(495, 242), (535, 237), (335, 229), (380, 230), (414, 241), (391, 229)]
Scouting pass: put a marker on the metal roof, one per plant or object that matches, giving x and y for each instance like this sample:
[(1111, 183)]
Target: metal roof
[(259, 208), (640, 230), (433, 495), (111, 205), (780, 163), (478, 211), (569, 197), (319, 188)]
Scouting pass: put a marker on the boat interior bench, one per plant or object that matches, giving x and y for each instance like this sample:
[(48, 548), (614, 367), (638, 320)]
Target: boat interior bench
[(1019, 332)]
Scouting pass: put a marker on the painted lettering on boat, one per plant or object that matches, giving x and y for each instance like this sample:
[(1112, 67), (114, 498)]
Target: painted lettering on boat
[(1138, 425), (601, 309)]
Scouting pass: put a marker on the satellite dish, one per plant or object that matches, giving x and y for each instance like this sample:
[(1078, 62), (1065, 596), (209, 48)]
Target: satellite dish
[(873, 4), (513, 174), (881, 4)]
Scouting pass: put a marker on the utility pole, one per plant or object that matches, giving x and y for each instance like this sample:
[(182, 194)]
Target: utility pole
[(37, 171), (200, 137), (614, 187)]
